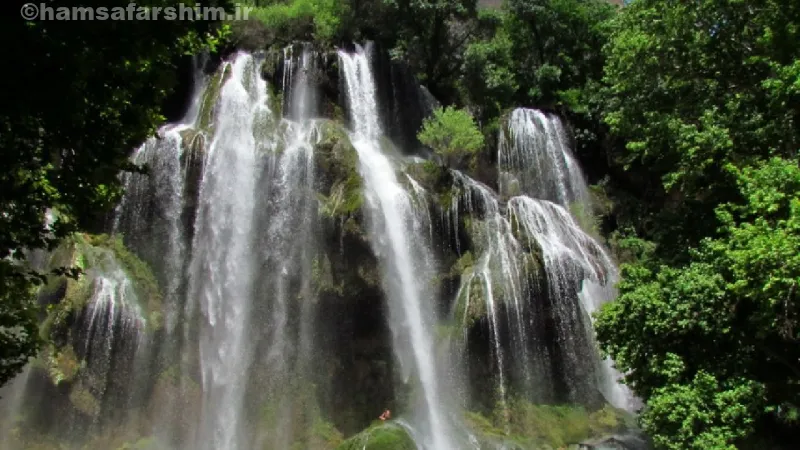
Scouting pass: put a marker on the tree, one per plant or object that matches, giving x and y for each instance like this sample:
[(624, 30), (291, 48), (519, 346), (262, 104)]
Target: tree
[(544, 53), (704, 94), (722, 331), (79, 98), (431, 36), (693, 86), (452, 134), (557, 45)]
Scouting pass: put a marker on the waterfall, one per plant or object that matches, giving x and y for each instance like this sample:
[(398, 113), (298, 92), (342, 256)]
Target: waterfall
[(108, 341), (405, 258), (113, 326), (285, 277), (300, 97), (222, 267), (534, 158), (502, 283)]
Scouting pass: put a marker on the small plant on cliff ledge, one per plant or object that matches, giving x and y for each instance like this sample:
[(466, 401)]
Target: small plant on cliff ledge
[(452, 134)]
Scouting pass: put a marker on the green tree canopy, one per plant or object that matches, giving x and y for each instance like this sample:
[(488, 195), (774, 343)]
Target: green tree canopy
[(705, 96), (693, 86), (452, 134)]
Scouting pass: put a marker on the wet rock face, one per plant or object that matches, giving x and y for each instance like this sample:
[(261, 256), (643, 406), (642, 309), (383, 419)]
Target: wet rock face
[(320, 70), (403, 103), (351, 322)]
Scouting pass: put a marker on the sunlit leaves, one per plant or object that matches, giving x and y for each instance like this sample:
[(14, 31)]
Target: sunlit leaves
[(452, 133)]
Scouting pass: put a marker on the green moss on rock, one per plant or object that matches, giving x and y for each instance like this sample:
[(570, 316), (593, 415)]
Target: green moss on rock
[(471, 301), (99, 252), (463, 264), (382, 436), (322, 277), (211, 96), (142, 277), (435, 179), (523, 425), (84, 401), (293, 413), (148, 443), (60, 364), (341, 190)]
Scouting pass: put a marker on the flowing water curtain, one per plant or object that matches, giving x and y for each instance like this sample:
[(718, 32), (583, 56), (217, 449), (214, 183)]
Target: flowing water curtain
[(222, 270), (498, 283), (533, 266), (156, 216), (102, 323), (535, 159), (406, 261)]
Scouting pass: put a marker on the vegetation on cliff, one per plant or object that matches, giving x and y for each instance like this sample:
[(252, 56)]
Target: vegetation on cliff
[(453, 135)]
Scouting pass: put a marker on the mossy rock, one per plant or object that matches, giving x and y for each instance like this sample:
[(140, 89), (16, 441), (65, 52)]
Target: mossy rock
[(77, 294), (62, 364), (463, 264), (533, 266), (383, 436), (369, 274), (141, 275), (96, 252), (489, 436), (341, 187), (291, 411), (275, 99), (478, 232), (84, 401), (193, 144), (211, 97), (147, 443), (526, 241), (272, 67), (333, 276), (434, 178), (321, 436), (520, 424), (471, 302), (322, 277)]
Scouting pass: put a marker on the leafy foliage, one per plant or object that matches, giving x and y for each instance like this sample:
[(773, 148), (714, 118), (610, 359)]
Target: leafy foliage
[(704, 95), (695, 86), (301, 19), (541, 52), (712, 345), (452, 134)]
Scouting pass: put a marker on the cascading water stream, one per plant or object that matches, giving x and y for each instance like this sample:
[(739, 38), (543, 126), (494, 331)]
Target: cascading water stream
[(137, 214), (535, 160), (222, 267), (405, 258)]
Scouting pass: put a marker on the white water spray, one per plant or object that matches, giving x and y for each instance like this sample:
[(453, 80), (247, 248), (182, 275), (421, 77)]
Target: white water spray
[(406, 261), (221, 271)]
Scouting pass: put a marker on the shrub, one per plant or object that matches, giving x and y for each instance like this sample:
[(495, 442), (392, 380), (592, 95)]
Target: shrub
[(452, 134)]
